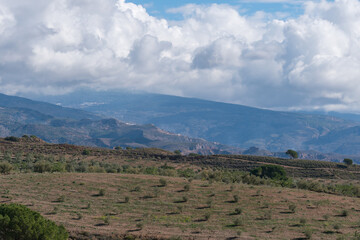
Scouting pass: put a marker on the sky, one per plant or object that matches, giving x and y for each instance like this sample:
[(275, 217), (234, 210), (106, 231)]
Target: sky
[(277, 54), (162, 8)]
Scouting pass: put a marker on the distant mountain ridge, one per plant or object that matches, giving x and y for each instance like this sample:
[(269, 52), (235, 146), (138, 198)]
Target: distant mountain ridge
[(228, 124), (56, 124), (52, 110)]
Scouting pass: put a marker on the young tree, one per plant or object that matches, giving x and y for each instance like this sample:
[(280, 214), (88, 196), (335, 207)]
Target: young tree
[(348, 161), (292, 153)]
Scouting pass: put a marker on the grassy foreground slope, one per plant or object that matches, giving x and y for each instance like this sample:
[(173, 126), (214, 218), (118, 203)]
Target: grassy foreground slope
[(112, 206), (154, 194)]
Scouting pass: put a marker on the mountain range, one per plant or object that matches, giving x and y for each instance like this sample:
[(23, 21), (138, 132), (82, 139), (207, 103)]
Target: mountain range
[(56, 124), (229, 124)]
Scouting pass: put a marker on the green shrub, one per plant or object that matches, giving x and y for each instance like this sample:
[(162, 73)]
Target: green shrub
[(96, 169), (348, 161), (86, 152), (106, 220), (42, 167), (101, 192), (302, 221), (5, 167), (207, 217), (12, 139), (162, 182), (292, 207), (270, 171), (18, 222), (308, 233), (140, 226), (238, 211), (238, 222), (345, 213), (267, 215), (61, 198)]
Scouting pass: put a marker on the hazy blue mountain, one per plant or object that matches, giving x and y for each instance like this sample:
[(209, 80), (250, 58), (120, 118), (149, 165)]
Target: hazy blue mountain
[(56, 124), (229, 124), (346, 116), (44, 108)]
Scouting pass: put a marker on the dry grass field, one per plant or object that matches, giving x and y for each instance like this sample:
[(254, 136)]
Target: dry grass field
[(116, 206), (92, 193)]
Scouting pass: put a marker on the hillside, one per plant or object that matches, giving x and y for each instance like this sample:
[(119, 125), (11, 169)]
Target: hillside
[(228, 124), (156, 157), (55, 124), (99, 193)]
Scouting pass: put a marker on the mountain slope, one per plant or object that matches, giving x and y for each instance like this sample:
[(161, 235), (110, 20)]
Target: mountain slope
[(56, 124), (229, 124), (20, 103)]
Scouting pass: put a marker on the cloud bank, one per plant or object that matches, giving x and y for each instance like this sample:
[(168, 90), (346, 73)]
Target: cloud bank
[(308, 62)]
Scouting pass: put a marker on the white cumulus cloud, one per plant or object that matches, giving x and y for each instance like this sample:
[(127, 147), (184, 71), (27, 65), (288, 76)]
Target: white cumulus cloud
[(214, 52)]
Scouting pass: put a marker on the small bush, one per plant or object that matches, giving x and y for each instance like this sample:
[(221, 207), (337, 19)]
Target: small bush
[(292, 208), (348, 161), (302, 221), (55, 210), (162, 182), (209, 203), (238, 222), (267, 215), (236, 199), (19, 222), (187, 188), (238, 211), (101, 192), (61, 199), (140, 226), (42, 166), (79, 216), (127, 199), (308, 233), (12, 139), (179, 209), (86, 152), (5, 167), (344, 213), (106, 220)]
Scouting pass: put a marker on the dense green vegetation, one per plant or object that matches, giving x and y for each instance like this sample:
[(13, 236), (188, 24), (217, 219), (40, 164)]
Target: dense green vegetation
[(18, 222), (270, 171)]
